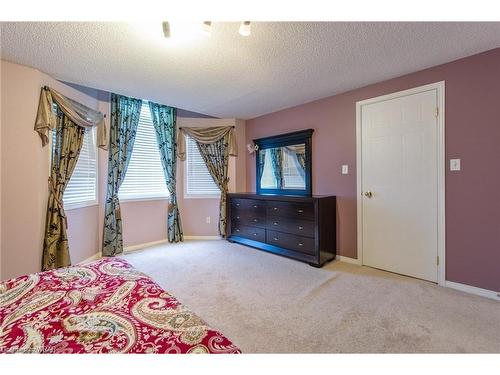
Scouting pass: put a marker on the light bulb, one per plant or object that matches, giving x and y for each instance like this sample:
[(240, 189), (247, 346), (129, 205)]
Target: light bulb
[(245, 28), (166, 29), (206, 28)]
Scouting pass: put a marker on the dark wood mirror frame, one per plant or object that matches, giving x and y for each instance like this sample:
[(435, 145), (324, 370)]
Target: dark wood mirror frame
[(303, 136)]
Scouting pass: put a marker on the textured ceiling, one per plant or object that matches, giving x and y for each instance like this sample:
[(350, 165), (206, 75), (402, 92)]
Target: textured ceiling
[(280, 65)]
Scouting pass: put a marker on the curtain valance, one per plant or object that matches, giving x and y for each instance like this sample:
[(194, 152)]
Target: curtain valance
[(76, 112), (206, 135)]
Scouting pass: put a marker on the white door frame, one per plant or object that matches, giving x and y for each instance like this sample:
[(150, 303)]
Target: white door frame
[(440, 88)]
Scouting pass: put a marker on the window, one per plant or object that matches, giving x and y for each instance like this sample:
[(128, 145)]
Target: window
[(82, 187), (198, 181), (144, 178), (293, 174)]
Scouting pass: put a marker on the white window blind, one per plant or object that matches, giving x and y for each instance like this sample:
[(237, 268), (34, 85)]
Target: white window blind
[(198, 180), (82, 187), (144, 178)]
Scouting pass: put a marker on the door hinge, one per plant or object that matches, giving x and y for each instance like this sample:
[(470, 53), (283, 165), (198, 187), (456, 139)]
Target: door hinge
[(437, 112), (437, 260)]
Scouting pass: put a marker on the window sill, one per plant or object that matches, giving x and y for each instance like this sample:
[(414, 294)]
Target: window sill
[(214, 196), (76, 206), (126, 200)]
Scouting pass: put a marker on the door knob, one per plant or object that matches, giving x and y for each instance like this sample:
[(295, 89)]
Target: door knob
[(368, 194)]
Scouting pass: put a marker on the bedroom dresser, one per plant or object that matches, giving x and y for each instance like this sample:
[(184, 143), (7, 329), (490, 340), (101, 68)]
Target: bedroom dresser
[(302, 228)]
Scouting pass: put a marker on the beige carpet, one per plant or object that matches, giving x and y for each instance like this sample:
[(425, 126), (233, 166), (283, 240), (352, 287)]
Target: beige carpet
[(270, 304)]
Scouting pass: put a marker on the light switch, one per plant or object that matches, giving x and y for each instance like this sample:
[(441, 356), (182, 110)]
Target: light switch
[(454, 164), (345, 169)]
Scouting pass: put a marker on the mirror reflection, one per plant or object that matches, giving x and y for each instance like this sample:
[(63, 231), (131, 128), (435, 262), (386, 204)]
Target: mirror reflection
[(283, 167)]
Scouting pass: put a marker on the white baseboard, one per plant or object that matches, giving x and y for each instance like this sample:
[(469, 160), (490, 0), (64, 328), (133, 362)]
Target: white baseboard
[(348, 260), (141, 246), (94, 257), (449, 284), (473, 290), (202, 238)]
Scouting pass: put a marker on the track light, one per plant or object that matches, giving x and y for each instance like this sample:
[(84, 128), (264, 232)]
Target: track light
[(207, 28), (166, 29), (245, 28)]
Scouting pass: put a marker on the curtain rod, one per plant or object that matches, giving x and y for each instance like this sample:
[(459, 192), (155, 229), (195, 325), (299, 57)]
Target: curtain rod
[(182, 127)]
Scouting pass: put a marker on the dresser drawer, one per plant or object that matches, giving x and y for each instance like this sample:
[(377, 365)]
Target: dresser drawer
[(249, 205), (253, 219), (291, 241), (291, 225), (295, 210), (253, 233)]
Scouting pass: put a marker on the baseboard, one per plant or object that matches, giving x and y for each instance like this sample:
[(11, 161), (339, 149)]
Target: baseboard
[(449, 284), (141, 246), (202, 238), (348, 260), (94, 257), (473, 290)]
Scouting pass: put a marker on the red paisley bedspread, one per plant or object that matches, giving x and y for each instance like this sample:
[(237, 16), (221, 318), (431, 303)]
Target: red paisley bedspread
[(102, 307)]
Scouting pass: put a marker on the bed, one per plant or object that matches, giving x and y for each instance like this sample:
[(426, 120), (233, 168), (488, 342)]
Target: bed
[(102, 307)]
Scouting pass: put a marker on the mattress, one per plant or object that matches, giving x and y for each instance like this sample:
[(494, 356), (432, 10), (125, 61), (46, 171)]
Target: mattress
[(102, 307)]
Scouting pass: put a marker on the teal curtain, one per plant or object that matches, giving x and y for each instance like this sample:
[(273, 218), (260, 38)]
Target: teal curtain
[(164, 120), (277, 162), (262, 162), (125, 114)]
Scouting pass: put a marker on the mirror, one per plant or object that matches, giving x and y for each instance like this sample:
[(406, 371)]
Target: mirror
[(283, 167), (283, 164)]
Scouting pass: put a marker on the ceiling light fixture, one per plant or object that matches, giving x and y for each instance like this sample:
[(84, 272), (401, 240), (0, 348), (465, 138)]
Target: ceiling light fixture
[(245, 28), (207, 28), (166, 29)]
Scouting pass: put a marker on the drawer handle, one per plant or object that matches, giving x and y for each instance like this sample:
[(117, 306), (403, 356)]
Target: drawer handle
[(255, 206), (301, 227), (237, 217), (301, 244), (275, 223), (300, 211), (255, 220), (255, 234), (276, 238), (237, 230), (237, 204), (275, 208)]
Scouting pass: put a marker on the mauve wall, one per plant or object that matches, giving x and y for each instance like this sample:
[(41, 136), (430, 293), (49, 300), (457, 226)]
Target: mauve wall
[(472, 134)]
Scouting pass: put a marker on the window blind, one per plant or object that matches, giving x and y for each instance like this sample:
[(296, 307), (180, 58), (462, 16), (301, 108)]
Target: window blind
[(198, 178), (144, 178), (82, 187)]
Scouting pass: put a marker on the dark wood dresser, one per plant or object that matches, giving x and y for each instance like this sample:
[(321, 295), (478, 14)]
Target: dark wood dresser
[(302, 228)]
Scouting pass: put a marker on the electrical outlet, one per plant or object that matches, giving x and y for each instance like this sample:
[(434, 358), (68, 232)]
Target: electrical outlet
[(345, 169), (455, 165), (207, 219)]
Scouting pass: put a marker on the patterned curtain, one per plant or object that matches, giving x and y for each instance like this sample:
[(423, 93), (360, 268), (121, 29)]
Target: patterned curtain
[(125, 114), (262, 161), (66, 149), (301, 158), (164, 119), (216, 157), (277, 162)]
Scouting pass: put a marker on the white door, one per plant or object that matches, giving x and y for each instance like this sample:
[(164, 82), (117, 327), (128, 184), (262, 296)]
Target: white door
[(399, 184)]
